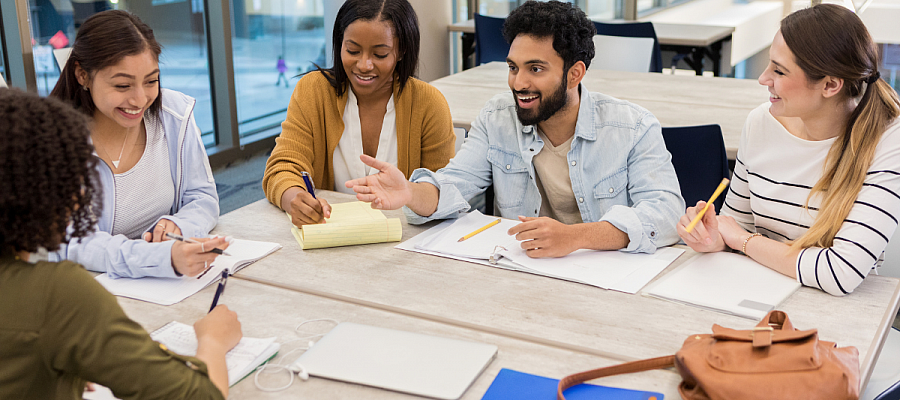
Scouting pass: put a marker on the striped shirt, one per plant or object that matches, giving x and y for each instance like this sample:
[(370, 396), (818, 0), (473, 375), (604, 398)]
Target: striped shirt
[(773, 176)]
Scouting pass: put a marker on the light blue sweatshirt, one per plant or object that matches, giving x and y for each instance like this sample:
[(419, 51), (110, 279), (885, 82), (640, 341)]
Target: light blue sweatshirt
[(195, 208)]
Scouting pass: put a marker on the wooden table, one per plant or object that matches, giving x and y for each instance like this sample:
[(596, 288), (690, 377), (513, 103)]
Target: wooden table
[(541, 311), (695, 40), (675, 100)]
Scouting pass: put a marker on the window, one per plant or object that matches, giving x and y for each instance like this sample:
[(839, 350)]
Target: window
[(273, 41), (177, 24)]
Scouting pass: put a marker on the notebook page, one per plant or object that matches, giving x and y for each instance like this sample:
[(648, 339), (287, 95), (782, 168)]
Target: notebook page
[(180, 338), (482, 245), (350, 224)]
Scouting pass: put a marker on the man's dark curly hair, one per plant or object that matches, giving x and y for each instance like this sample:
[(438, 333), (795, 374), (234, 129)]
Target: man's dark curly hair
[(571, 30), (46, 172)]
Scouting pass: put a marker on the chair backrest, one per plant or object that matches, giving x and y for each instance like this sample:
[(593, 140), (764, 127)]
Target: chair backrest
[(700, 161), (630, 54), (489, 42), (634, 29), (461, 135), (62, 55)]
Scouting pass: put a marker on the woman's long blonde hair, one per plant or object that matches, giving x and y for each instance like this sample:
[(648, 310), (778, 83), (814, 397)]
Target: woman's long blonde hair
[(830, 40)]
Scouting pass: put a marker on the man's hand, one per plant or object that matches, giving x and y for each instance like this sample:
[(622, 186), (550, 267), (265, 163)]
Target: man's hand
[(386, 190), (545, 237)]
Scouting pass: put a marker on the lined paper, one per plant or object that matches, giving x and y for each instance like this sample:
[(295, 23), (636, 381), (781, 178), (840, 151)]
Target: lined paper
[(350, 224)]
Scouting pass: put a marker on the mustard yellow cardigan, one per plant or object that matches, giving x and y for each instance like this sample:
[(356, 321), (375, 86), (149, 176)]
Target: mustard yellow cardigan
[(314, 125)]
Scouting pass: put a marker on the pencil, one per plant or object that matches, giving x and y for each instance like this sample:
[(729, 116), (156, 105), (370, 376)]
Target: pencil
[(718, 191), (482, 229)]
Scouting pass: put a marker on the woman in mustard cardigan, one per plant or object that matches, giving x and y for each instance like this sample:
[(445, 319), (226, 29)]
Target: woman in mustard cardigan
[(368, 103)]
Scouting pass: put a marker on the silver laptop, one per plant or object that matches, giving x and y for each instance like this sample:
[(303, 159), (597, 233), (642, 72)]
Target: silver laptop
[(408, 362)]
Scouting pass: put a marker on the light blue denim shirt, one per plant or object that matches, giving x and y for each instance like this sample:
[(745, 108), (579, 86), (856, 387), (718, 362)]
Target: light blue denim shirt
[(620, 169)]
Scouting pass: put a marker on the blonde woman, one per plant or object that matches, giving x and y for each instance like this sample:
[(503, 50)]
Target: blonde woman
[(816, 188)]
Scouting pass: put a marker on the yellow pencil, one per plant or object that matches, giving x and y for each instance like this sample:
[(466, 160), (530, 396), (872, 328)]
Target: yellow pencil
[(718, 191), (482, 229)]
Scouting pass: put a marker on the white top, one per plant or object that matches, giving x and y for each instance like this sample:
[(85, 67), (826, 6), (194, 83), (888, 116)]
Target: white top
[(346, 163), (146, 191), (773, 176), (551, 167)]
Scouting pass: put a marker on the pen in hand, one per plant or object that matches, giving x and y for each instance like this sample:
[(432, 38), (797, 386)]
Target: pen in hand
[(219, 290), (180, 238)]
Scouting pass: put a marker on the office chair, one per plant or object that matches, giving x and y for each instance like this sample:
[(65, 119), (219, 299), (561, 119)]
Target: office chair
[(698, 155), (637, 30), (489, 42), (632, 54)]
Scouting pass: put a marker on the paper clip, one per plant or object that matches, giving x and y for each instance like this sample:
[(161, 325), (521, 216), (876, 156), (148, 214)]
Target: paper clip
[(495, 256)]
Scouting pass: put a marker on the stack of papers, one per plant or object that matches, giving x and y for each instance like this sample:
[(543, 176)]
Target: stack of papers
[(725, 282), (615, 270), (350, 224), (241, 360), (168, 291)]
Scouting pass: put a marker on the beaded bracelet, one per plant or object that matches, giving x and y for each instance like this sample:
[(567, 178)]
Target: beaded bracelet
[(744, 247)]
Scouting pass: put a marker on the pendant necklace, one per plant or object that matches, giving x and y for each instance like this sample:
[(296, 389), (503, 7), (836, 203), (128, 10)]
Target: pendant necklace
[(122, 151)]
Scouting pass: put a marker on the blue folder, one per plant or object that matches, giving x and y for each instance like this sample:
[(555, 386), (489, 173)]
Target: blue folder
[(515, 385)]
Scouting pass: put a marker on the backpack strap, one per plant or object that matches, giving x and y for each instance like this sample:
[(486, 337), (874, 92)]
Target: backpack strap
[(629, 367)]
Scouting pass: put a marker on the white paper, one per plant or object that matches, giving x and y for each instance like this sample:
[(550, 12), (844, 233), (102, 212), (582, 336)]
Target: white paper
[(725, 282), (482, 245), (168, 291)]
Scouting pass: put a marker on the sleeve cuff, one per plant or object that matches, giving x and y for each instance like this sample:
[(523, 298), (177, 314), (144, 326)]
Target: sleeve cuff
[(451, 203), (641, 236)]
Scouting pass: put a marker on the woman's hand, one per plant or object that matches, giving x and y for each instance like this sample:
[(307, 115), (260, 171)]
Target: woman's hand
[(306, 210), (733, 234), (705, 237), (159, 231), (217, 333), (191, 259)]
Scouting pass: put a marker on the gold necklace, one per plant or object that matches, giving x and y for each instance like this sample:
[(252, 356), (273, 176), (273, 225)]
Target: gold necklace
[(122, 151)]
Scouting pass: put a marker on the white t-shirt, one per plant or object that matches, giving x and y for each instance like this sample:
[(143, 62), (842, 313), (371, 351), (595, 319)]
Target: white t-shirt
[(346, 161), (551, 165), (773, 176)]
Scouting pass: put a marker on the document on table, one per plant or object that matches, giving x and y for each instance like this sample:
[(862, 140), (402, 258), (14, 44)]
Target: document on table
[(615, 270), (241, 360), (350, 224), (168, 291), (725, 282)]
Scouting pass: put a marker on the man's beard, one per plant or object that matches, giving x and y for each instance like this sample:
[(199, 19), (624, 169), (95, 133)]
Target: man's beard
[(549, 105)]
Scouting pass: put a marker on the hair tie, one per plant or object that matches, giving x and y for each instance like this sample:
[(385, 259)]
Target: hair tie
[(874, 77)]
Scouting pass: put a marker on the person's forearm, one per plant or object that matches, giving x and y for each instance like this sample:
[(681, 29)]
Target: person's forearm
[(214, 357), (425, 198), (289, 195), (600, 236), (773, 254)]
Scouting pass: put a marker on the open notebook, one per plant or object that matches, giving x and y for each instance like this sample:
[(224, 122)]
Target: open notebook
[(350, 224), (615, 270), (168, 291)]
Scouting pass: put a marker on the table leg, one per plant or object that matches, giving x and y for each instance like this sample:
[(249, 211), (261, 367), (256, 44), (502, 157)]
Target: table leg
[(468, 50), (715, 53), (697, 60)]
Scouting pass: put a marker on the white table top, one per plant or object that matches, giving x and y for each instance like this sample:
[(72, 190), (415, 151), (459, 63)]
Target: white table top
[(534, 309), (666, 33), (676, 100)]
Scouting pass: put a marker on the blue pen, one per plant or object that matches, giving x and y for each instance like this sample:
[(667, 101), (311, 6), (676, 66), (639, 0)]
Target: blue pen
[(220, 289), (309, 185)]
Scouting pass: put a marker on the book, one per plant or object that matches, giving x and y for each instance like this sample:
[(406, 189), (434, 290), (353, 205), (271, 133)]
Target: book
[(242, 360), (514, 385), (168, 291), (350, 224), (725, 282)]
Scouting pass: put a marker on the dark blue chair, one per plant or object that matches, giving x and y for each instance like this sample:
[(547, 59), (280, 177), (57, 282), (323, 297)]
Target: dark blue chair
[(633, 29), (698, 155), (489, 42)]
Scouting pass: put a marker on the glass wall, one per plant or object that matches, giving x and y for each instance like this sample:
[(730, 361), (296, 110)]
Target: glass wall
[(179, 26), (273, 41)]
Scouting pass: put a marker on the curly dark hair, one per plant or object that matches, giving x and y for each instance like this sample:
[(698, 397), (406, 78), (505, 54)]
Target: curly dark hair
[(571, 30), (46, 171)]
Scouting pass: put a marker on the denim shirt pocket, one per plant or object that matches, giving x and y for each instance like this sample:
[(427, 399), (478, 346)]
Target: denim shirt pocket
[(511, 182), (611, 191)]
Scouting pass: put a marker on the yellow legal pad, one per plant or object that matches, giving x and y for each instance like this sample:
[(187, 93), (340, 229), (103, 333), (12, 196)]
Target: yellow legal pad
[(350, 223)]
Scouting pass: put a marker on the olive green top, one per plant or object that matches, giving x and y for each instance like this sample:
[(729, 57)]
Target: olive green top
[(60, 328)]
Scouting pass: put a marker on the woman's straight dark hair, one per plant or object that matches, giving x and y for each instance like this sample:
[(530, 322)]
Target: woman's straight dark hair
[(406, 28), (102, 41)]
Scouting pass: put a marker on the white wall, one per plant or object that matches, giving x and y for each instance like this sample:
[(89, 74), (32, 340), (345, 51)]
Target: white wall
[(434, 47)]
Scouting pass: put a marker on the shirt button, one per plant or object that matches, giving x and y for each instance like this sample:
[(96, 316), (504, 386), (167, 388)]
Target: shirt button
[(535, 211), (573, 163), (530, 149), (652, 234), (507, 166), (610, 189), (581, 199)]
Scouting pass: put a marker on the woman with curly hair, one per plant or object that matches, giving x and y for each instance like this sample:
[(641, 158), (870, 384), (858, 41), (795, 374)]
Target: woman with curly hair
[(367, 103), (60, 327), (154, 169), (816, 189)]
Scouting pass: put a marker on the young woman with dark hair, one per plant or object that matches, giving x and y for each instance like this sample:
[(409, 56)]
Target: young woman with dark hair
[(60, 327), (154, 170), (367, 103), (816, 189)]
